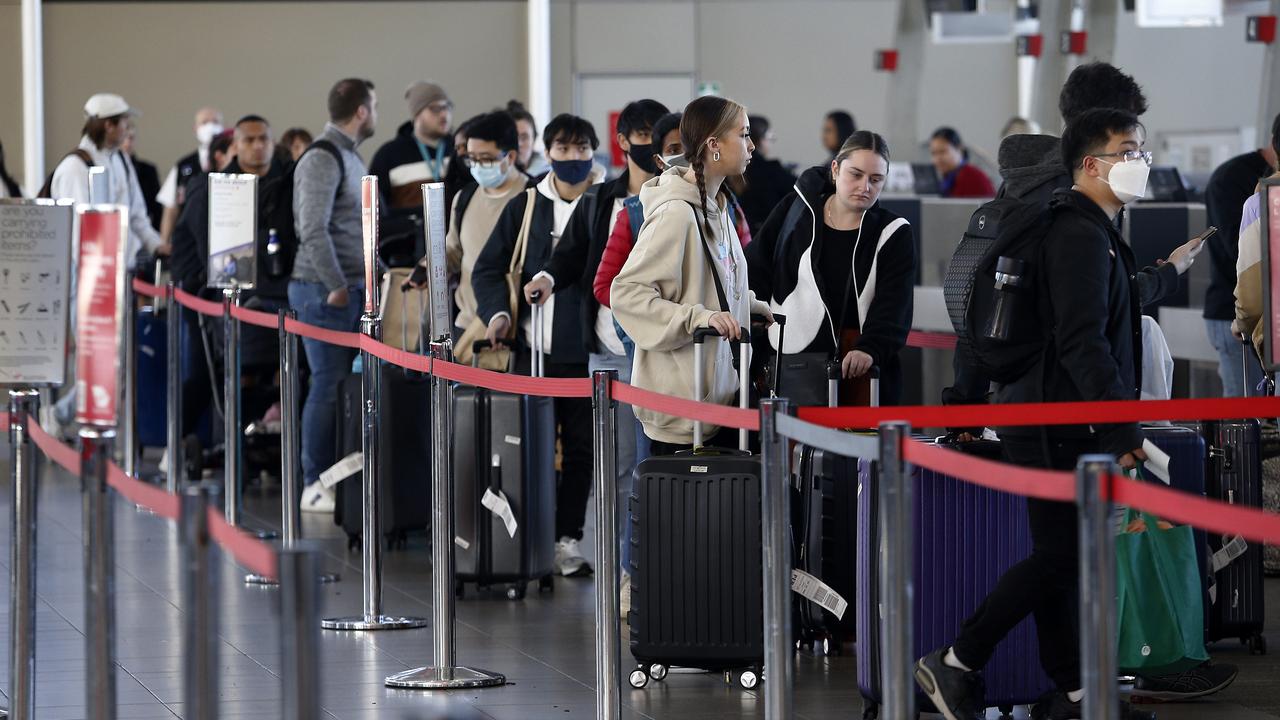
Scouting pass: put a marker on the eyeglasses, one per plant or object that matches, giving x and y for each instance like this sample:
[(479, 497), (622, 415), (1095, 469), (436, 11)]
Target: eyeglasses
[(1129, 155), (440, 107), (482, 162)]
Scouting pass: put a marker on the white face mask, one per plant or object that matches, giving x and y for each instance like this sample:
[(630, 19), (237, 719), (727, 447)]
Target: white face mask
[(677, 160), (1128, 180), (207, 132)]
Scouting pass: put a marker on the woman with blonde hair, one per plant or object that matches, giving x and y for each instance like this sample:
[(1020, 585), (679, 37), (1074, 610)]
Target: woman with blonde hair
[(687, 271)]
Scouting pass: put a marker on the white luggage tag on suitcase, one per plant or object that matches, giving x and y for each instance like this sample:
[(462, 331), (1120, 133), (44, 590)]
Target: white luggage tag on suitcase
[(497, 503)]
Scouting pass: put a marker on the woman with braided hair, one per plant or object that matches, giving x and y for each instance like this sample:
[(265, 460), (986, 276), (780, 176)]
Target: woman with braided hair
[(687, 271)]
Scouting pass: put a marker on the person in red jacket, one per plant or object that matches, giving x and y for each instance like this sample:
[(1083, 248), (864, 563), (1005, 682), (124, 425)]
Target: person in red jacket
[(956, 177), (666, 138)]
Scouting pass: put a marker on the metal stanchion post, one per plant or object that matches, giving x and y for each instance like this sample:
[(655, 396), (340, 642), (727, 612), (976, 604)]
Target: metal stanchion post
[(897, 531), (605, 468), (444, 675), (1097, 588), (371, 528), (299, 633), (128, 446), (173, 398), (99, 575), (232, 428), (23, 408), (199, 599), (775, 526), (290, 522)]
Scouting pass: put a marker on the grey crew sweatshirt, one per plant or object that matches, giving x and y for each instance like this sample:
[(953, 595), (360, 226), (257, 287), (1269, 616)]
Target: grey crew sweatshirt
[(326, 215)]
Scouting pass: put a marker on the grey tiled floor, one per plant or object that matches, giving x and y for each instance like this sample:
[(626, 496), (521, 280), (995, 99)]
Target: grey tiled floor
[(543, 644)]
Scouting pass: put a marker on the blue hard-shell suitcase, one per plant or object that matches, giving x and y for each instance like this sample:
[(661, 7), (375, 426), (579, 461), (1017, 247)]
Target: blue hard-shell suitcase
[(966, 537)]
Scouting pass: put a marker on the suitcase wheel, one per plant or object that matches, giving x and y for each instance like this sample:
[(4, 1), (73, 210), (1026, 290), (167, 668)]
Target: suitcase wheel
[(515, 592), (1257, 645), (871, 711), (749, 679), (638, 678), (1006, 711), (658, 671), (353, 543), (547, 584), (459, 589)]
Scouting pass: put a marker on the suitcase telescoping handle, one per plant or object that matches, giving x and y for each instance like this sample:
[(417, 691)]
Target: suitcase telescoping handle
[(1268, 383), (833, 383), (744, 372), (781, 320), (480, 346), (535, 361)]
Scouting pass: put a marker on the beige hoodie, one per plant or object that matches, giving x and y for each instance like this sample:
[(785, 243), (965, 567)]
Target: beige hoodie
[(666, 290), (1249, 273)]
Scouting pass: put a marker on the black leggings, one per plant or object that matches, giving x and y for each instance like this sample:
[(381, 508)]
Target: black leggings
[(1044, 585)]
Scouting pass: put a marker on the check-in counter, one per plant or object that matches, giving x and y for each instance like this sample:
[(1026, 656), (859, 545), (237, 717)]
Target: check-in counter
[(1154, 230), (937, 224)]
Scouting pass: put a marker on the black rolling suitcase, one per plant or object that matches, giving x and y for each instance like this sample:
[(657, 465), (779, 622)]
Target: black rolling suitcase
[(1234, 475), (504, 448), (404, 454), (824, 518), (696, 588)]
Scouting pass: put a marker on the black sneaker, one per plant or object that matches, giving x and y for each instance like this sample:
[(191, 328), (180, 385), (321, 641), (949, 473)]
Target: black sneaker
[(1054, 705), (957, 694), (1197, 682)]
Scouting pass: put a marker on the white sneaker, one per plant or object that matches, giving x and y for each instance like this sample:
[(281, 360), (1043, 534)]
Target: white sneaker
[(317, 498), (569, 560), (163, 467), (624, 597)]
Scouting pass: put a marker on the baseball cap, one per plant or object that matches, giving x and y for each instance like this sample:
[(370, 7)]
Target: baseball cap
[(105, 105)]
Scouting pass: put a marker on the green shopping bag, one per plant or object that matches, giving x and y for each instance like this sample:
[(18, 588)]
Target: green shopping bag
[(1161, 606)]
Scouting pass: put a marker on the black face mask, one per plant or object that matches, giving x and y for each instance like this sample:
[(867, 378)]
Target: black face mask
[(642, 156)]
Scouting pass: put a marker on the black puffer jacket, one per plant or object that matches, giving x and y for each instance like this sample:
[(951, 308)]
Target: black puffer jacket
[(782, 268), (1088, 301)]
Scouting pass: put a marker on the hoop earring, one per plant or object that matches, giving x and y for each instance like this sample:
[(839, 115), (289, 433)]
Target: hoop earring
[(715, 156)]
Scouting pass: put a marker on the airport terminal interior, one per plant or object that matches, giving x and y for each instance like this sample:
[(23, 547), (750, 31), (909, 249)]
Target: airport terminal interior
[(537, 294)]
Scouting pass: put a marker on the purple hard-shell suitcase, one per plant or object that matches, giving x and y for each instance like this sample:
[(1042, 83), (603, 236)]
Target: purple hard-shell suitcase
[(966, 538)]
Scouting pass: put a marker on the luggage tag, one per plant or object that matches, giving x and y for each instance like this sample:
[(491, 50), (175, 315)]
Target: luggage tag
[(1157, 461), (343, 469), (819, 592), (498, 504), (1229, 552)]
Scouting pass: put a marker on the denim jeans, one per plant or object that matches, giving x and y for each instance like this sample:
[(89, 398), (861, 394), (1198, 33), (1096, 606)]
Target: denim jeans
[(626, 453), (1231, 360), (329, 365)]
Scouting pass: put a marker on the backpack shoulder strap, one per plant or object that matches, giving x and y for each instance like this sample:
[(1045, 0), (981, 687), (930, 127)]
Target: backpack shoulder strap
[(461, 202), (635, 215), (84, 156), (332, 149)]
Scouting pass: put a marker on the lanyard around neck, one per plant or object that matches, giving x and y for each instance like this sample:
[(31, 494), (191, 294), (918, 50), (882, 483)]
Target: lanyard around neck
[(435, 161)]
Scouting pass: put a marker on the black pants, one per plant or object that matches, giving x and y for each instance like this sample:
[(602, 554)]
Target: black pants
[(198, 388), (1045, 585), (573, 424)]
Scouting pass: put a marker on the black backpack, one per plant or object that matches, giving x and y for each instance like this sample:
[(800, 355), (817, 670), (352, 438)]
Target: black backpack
[(1002, 228), (46, 190), (275, 212)]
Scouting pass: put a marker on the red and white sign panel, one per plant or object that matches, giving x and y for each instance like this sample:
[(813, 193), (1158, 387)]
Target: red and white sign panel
[(369, 222), (1271, 264), (104, 234)]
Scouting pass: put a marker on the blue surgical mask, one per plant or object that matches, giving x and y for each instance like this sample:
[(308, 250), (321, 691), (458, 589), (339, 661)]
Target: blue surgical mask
[(572, 171), (490, 175)]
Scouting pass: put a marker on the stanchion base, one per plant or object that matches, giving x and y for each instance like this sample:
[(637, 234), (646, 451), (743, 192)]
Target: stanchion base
[(252, 579), (432, 678), (375, 622), (263, 534)]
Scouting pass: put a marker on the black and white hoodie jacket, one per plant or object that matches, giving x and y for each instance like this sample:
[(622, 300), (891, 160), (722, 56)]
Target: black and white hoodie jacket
[(782, 266)]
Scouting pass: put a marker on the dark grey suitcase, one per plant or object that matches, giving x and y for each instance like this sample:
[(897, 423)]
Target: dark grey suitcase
[(404, 453), (504, 443), (1235, 476)]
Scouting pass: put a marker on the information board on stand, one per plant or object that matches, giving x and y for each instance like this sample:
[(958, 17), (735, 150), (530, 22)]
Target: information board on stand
[(433, 210), (100, 312), (35, 282), (233, 230)]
